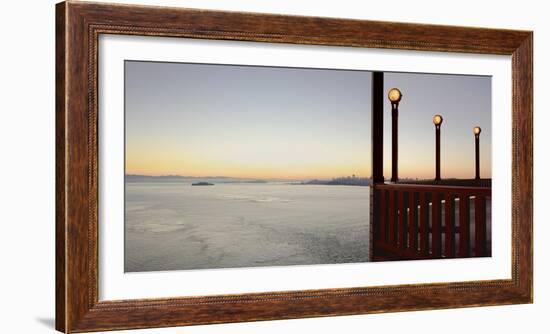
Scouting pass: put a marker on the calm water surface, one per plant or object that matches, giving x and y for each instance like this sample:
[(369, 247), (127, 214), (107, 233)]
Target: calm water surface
[(176, 226)]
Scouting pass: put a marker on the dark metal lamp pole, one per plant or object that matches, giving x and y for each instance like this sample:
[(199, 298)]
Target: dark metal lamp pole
[(477, 131), (438, 120), (394, 96)]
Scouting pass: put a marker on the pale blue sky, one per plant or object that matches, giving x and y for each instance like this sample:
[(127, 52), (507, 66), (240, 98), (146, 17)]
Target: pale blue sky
[(265, 122), (463, 101)]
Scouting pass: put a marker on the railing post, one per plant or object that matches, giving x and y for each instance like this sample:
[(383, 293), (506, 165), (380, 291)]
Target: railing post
[(480, 226), (424, 228), (449, 225), (436, 225), (413, 229), (402, 231), (464, 237), (391, 218), (382, 208)]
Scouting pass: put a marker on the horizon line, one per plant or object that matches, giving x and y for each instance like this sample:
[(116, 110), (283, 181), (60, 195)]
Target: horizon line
[(245, 177), (294, 179)]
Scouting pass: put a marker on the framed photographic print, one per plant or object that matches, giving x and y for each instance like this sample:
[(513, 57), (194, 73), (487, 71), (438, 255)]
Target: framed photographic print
[(222, 167)]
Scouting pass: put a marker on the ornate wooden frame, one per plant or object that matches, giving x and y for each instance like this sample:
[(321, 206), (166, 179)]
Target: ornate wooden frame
[(78, 25)]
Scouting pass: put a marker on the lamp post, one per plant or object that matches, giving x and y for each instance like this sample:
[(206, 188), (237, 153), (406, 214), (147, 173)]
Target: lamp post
[(394, 95), (437, 119), (477, 131)]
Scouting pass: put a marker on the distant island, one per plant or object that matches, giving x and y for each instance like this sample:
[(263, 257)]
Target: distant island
[(340, 181), (212, 180), (202, 184)]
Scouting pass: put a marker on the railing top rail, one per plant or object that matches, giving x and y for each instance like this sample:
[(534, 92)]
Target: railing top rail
[(434, 188)]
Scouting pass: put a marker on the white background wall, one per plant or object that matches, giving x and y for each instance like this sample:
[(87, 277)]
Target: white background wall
[(27, 70)]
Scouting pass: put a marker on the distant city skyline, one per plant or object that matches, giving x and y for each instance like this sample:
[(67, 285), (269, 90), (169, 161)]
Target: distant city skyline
[(292, 123)]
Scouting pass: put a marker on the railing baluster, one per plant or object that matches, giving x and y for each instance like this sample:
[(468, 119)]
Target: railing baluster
[(423, 224), (449, 225), (391, 218), (413, 230), (464, 236), (480, 226), (402, 231), (383, 226), (436, 225)]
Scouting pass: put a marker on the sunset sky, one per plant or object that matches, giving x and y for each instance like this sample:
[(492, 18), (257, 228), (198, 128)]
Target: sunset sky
[(462, 101), (289, 123)]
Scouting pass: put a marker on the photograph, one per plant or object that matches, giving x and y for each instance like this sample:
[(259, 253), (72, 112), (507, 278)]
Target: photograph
[(274, 167), (238, 166)]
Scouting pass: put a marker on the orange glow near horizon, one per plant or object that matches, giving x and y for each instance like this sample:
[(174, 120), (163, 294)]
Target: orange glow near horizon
[(249, 153), (244, 168), (266, 174)]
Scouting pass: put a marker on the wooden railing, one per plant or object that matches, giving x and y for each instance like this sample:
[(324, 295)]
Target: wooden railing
[(414, 221)]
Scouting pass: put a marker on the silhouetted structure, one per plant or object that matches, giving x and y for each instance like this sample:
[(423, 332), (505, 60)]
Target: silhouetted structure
[(438, 120), (423, 219), (477, 132), (342, 181), (394, 96)]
